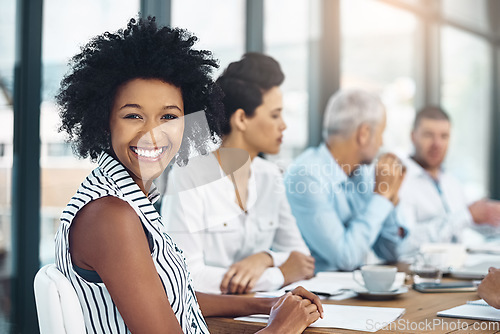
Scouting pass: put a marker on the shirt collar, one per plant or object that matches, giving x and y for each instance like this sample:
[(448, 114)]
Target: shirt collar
[(336, 173), (415, 169), (115, 170)]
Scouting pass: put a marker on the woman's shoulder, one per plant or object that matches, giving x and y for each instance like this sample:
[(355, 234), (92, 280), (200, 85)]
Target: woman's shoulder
[(105, 214), (105, 224), (264, 166)]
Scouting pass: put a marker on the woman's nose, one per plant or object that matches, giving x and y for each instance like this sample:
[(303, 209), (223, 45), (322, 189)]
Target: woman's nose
[(283, 125), (152, 132)]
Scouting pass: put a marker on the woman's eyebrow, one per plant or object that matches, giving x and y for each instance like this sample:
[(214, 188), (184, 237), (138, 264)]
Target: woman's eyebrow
[(130, 105), (173, 106), (137, 106)]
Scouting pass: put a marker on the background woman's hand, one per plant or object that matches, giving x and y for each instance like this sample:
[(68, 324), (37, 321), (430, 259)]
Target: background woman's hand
[(297, 267), (243, 275)]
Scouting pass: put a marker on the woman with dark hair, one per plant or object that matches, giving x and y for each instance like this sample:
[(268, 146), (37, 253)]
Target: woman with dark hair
[(126, 104), (238, 232)]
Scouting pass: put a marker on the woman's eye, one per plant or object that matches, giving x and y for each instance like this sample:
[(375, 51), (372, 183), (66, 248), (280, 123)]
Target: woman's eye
[(132, 116), (169, 116)]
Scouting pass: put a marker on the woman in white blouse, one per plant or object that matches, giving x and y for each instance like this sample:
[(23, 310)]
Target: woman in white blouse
[(231, 215)]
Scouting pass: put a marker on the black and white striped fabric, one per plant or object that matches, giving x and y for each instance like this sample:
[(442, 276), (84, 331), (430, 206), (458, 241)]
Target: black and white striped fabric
[(100, 313)]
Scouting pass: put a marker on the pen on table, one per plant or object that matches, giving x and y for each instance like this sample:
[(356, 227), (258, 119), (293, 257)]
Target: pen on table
[(324, 294)]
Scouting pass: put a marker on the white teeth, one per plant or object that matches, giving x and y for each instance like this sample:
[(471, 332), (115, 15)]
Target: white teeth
[(147, 153)]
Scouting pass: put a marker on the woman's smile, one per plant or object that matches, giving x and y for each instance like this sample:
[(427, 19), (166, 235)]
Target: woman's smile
[(149, 154), (147, 126)]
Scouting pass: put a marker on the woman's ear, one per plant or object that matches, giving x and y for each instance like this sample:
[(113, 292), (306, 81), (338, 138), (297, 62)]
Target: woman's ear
[(363, 134), (238, 120)]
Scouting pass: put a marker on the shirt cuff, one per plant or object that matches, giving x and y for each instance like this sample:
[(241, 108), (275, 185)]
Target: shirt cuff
[(272, 279), (278, 257)]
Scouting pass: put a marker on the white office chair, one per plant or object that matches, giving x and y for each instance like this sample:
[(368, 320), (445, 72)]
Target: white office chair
[(57, 305)]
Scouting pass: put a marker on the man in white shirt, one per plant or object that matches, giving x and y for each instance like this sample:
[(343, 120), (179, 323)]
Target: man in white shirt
[(432, 201)]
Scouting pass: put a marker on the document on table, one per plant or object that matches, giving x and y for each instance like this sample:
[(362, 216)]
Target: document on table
[(332, 285), (358, 318), (486, 248), (478, 310)]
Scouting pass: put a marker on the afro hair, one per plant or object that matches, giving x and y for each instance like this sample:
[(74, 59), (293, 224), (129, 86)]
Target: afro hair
[(142, 50)]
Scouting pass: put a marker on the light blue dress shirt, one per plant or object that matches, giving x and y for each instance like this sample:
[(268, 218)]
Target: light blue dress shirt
[(340, 217)]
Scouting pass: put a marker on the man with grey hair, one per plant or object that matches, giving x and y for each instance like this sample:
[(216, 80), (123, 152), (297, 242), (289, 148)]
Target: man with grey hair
[(344, 207)]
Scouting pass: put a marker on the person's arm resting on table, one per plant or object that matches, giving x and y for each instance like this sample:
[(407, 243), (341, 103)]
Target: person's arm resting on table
[(186, 225)]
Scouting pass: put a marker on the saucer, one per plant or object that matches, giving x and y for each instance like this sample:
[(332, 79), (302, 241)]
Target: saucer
[(363, 293)]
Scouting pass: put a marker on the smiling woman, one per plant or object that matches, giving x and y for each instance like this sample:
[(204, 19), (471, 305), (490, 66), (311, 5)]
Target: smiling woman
[(146, 127), (125, 104)]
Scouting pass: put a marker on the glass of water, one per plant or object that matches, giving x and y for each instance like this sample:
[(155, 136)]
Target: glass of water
[(427, 268)]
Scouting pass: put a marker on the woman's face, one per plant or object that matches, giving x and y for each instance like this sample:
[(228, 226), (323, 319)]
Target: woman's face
[(264, 132), (146, 125)]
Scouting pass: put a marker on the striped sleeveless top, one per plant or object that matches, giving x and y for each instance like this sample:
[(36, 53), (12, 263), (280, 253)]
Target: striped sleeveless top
[(99, 310)]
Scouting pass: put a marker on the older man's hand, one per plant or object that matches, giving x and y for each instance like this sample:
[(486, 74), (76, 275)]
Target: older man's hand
[(389, 175)]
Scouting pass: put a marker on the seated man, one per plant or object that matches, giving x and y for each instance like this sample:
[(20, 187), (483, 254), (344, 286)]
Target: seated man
[(432, 201), (343, 207), (489, 289)]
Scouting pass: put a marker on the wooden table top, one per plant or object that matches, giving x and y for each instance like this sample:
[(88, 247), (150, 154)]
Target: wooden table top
[(420, 316)]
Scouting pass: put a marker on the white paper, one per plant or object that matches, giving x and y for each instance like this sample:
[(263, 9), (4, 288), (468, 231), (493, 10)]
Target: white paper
[(338, 284), (328, 281), (319, 283), (478, 310), (359, 318)]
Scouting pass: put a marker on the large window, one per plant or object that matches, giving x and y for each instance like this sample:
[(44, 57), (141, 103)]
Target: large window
[(219, 25), (466, 95), (473, 14), (287, 27), (378, 50), (67, 25)]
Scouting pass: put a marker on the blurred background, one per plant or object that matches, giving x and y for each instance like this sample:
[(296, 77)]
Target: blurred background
[(410, 52)]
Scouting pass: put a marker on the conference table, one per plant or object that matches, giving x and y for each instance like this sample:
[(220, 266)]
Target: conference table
[(419, 317)]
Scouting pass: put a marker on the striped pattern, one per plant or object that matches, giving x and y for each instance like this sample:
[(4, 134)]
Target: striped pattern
[(100, 313)]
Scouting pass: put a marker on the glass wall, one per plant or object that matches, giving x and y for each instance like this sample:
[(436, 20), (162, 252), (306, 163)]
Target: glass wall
[(473, 14), (63, 35), (378, 55), (219, 25), (287, 30), (7, 60), (466, 95)]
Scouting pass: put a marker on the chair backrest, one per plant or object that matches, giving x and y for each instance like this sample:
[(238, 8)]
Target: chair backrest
[(57, 305)]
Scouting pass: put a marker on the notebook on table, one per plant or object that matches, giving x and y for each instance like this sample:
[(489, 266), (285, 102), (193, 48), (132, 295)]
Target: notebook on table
[(476, 271), (478, 310)]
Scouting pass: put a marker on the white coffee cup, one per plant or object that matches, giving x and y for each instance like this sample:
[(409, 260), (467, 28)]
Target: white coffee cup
[(377, 278)]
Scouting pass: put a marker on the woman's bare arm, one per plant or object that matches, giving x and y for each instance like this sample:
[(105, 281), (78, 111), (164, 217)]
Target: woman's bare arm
[(107, 236)]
